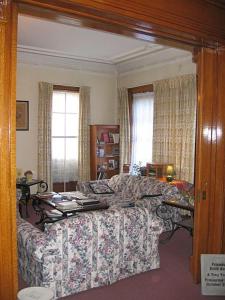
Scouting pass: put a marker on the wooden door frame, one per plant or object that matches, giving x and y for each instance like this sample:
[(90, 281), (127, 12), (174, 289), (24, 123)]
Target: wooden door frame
[(195, 22)]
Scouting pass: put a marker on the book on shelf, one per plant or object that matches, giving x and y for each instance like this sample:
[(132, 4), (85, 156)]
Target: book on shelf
[(105, 137), (116, 138), (101, 152)]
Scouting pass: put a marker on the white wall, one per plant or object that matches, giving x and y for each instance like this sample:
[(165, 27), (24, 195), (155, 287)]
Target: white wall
[(103, 96), (156, 72), (103, 103)]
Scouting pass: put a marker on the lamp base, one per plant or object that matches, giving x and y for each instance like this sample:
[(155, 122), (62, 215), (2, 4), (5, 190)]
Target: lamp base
[(169, 178)]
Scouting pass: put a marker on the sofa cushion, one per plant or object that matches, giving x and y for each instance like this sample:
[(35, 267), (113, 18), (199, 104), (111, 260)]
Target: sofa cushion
[(101, 188)]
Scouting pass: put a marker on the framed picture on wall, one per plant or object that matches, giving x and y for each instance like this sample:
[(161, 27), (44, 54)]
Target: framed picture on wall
[(22, 115)]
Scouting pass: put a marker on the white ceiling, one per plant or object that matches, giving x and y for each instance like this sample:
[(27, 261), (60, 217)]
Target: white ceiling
[(47, 42)]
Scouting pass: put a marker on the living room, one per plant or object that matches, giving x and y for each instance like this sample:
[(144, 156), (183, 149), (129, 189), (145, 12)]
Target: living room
[(204, 55), (137, 64)]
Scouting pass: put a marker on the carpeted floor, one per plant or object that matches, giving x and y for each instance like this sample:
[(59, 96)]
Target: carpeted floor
[(172, 281)]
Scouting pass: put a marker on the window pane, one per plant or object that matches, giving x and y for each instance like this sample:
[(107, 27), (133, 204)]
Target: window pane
[(71, 148), (58, 124), (71, 125), (58, 148), (72, 102), (58, 101)]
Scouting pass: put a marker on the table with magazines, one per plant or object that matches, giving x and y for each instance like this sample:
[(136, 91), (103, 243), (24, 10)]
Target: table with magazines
[(63, 205)]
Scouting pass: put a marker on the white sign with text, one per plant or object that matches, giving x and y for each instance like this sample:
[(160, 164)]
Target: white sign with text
[(213, 274)]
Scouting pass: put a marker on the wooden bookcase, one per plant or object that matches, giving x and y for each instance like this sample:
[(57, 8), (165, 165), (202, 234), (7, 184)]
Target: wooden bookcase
[(104, 151)]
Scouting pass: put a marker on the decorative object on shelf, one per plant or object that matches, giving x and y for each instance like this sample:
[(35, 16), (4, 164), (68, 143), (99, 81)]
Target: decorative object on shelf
[(170, 173), (22, 115), (29, 175), (116, 138)]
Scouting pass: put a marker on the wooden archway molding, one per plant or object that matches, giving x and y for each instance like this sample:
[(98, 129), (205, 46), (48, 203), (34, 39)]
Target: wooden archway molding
[(199, 23)]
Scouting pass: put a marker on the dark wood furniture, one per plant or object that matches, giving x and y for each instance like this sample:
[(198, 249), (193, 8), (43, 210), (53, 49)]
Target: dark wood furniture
[(187, 220), (24, 186), (104, 151), (156, 170)]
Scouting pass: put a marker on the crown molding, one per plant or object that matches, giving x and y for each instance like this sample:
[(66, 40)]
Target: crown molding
[(55, 53), (187, 58), (140, 59), (136, 53)]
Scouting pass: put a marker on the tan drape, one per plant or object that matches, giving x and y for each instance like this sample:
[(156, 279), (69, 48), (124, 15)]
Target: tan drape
[(174, 124), (84, 134), (45, 132), (124, 122)]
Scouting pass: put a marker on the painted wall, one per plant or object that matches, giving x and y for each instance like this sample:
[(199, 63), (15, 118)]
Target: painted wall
[(103, 96), (103, 103), (156, 72)]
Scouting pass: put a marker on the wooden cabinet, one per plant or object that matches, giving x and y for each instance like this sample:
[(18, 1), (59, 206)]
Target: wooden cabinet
[(157, 170), (104, 151)]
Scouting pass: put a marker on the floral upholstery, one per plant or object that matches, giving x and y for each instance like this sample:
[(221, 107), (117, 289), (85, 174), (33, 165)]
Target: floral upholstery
[(145, 191), (90, 249)]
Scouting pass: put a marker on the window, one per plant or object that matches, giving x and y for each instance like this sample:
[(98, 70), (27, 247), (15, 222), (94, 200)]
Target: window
[(141, 109), (65, 123)]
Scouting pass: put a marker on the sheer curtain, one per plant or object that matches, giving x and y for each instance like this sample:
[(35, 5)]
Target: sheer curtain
[(142, 128), (45, 132), (65, 113), (174, 124), (124, 122)]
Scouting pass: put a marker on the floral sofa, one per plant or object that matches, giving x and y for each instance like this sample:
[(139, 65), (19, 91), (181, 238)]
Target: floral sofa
[(143, 191), (89, 249)]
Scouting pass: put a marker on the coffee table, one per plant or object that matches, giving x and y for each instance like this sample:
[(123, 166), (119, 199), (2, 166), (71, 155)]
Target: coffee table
[(47, 216)]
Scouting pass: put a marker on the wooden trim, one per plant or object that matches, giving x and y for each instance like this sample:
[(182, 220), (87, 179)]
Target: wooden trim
[(177, 20), (8, 241), (141, 89), (57, 87)]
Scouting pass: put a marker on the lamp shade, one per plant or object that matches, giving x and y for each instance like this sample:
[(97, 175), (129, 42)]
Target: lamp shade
[(170, 170)]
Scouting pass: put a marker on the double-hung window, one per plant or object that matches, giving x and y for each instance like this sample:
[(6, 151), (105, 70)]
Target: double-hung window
[(141, 110), (65, 128)]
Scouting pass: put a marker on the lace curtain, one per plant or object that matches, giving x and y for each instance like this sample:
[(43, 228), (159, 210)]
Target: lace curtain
[(84, 135), (44, 132), (142, 128), (174, 124), (124, 122)]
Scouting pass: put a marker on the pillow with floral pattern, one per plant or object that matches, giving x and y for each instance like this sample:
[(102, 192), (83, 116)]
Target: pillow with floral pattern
[(101, 188)]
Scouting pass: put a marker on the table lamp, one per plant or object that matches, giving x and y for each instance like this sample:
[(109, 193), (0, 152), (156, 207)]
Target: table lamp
[(170, 173)]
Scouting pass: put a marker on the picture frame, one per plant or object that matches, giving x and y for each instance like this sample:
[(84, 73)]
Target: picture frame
[(22, 115)]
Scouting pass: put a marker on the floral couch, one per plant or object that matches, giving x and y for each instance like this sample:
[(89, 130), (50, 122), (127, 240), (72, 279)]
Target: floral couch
[(143, 191), (89, 249)]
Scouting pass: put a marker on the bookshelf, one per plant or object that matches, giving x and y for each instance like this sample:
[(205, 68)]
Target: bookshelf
[(104, 150)]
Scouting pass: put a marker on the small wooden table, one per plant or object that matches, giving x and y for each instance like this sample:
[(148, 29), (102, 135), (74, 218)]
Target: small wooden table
[(186, 221)]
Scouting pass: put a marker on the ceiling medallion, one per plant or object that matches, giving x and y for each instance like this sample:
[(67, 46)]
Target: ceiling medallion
[(3, 5)]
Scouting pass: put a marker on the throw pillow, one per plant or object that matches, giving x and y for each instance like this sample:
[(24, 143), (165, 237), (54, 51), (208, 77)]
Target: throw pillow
[(101, 188)]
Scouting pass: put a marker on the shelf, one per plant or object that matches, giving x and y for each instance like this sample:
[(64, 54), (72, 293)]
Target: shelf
[(104, 154)]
